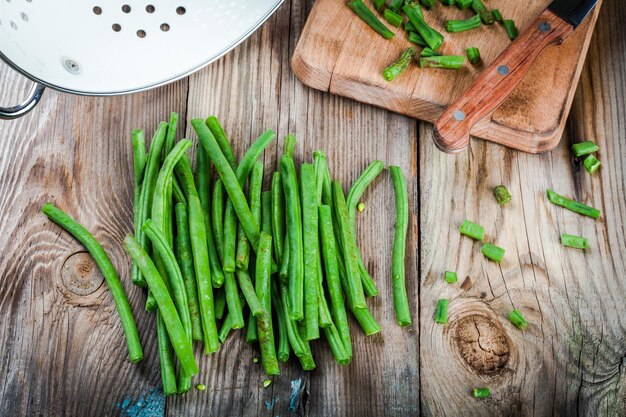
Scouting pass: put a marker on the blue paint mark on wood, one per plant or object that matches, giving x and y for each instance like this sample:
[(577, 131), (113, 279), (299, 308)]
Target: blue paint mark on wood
[(296, 390), (149, 405), (270, 404)]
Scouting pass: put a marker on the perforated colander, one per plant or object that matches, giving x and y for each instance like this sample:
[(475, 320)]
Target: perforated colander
[(104, 47)]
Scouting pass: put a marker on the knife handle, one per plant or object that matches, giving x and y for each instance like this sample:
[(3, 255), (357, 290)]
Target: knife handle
[(497, 82)]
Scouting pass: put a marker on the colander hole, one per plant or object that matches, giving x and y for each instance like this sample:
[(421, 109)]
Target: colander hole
[(116, 27), (181, 10), (150, 8), (24, 16), (141, 33), (165, 27), (126, 8), (97, 10), (13, 25)]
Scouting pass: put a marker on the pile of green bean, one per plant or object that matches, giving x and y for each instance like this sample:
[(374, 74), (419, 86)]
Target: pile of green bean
[(207, 251)]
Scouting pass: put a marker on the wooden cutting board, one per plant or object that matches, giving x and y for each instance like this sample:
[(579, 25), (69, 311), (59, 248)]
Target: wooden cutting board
[(339, 53)]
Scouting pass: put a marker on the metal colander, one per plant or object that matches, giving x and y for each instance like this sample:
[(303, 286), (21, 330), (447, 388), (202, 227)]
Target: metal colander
[(104, 48)]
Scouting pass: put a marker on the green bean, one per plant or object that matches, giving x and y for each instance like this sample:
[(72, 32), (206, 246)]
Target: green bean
[(592, 164), (247, 288), (139, 166), (322, 178), (220, 303), (442, 61), (473, 55), (455, 26), (177, 283), (263, 289), (278, 215), (227, 324), (185, 260), (370, 18), (217, 217), (417, 39), (294, 232), (108, 271), (170, 137), (180, 342), (222, 141), (254, 195), (289, 148), (433, 38), (147, 192), (336, 345), (400, 300), (584, 148), (203, 175), (485, 14), (230, 180), (151, 304), (401, 64), (235, 309), (354, 196), (363, 316), (168, 146), (230, 238), (306, 359), (510, 28), (572, 205), (266, 212), (166, 360), (329, 250), (393, 18), (349, 247), (172, 268), (161, 196), (177, 192), (283, 272), (252, 332), (311, 250), (242, 254), (325, 318), (283, 338), (292, 332)]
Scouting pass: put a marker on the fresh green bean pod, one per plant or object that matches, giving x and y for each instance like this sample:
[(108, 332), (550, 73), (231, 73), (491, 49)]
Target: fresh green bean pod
[(281, 320), (249, 293), (370, 18), (217, 217), (180, 342), (166, 357), (278, 215), (400, 299), (294, 231), (139, 166), (151, 173), (310, 250), (185, 260), (108, 271), (336, 345), (433, 38), (224, 144), (203, 176), (263, 289), (220, 303), (399, 66)]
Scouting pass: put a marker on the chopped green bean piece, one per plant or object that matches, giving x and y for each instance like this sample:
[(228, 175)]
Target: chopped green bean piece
[(472, 230), (463, 4), (509, 27), (454, 26), (368, 17), (393, 18), (200, 387), (398, 67), (416, 38), (429, 4), (378, 4), (584, 148), (433, 38), (473, 55), (591, 164), (502, 194), (481, 10), (450, 277), (518, 319), (427, 52), (443, 61), (360, 207), (396, 5), (497, 15), (572, 205), (493, 252), (572, 241), (267, 383), (441, 316), (481, 392)]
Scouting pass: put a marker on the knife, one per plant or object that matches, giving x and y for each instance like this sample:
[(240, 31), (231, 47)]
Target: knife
[(497, 82)]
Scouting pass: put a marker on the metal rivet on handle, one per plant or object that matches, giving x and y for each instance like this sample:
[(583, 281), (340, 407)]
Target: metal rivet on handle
[(545, 26), (459, 115), (503, 70)]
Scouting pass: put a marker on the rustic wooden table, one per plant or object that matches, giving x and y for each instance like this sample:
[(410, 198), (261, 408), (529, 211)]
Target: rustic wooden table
[(62, 346)]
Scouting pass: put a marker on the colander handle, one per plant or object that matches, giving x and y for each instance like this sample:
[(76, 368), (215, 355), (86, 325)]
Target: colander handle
[(27, 105)]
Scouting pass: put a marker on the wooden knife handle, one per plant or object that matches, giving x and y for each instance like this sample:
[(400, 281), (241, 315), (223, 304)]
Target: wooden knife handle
[(498, 81)]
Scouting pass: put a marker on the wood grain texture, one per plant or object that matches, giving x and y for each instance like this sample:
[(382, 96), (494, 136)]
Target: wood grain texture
[(497, 82), (339, 53), (64, 353)]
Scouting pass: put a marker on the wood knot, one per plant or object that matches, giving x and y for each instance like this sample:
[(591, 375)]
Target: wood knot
[(80, 274), (482, 344)]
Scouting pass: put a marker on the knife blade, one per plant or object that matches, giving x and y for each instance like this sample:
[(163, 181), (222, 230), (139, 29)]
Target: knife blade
[(572, 11), (497, 82)]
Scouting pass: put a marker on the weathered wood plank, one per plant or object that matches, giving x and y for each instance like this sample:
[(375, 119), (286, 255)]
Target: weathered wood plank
[(250, 90), (64, 353), (570, 361)]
